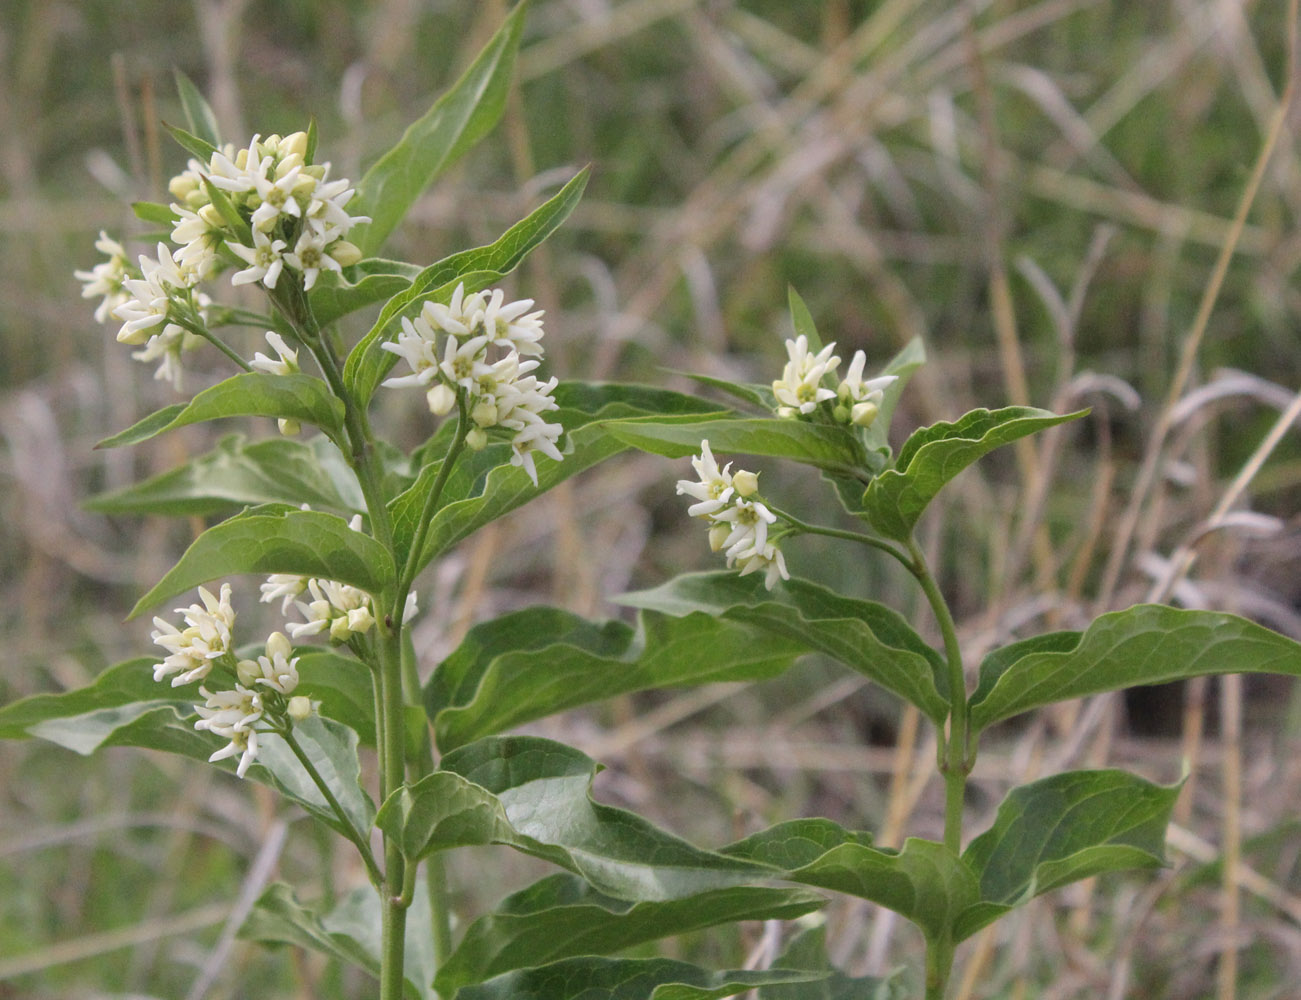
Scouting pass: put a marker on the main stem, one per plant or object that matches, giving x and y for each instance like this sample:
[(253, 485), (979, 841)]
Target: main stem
[(955, 756)]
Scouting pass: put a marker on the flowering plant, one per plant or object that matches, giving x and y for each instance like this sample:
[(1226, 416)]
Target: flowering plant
[(340, 524)]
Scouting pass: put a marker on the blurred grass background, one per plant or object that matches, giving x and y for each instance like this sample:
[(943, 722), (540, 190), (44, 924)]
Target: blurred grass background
[(1039, 190)]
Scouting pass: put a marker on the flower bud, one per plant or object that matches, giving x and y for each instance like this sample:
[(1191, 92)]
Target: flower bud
[(278, 644), (294, 144), (299, 708), (841, 414), (484, 413), (247, 671), (210, 214), (718, 532), (289, 427), (360, 620), (746, 483), (441, 400), (345, 253), (476, 439), (182, 186), (787, 412), (864, 414)]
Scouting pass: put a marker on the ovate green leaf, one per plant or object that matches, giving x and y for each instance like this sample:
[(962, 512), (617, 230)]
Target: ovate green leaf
[(198, 114), (562, 917), (1145, 644), (364, 283), (278, 539), (625, 979), (253, 394), (865, 636), (539, 661), (457, 120), (933, 455), (1062, 829)]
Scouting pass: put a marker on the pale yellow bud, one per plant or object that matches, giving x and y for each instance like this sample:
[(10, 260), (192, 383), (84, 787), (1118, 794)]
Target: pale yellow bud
[(210, 214), (289, 427), (299, 708), (345, 253), (247, 671), (746, 483), (294, 144), (278, 644), (787, 412), (182, 186), (864, 414), (360, 620), (718, 532), (441, 400), (476, 439), (484, 413)]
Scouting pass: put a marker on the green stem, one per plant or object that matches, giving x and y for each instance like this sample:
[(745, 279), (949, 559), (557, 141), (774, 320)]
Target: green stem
[(392, 770), (408, 574), (851, 536), (939, 965), (955, 760), (199, 330), (349, 830)]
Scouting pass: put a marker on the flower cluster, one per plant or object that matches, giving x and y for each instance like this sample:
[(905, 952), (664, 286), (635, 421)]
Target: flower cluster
[(803, 386), (337, 609), (262, 210), (470, 352), (738, 520), (258, 695)]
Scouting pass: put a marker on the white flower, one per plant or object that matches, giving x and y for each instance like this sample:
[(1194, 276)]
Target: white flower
[(278, 669), (464, 364), (417, 345), (800, 389), (312, 253), (206, 637), (285, 586), (337, 608), (862, 399), (714, 489), (509, 327), (536, 436), (265, 260), (106, 277), (287, 363), (767, 558), (277, 199), (457, 316), (749, 520), (149, 297)]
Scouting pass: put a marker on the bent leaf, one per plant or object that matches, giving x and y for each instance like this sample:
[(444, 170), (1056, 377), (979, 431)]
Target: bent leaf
[(865, 636), (364, 283), (349, 932), (833, 449), (626, 979), (934, 455), (484, 485), (562, 917), (368, 362), (277, 539), (432, 143), (236, 474), (925, 882), (1062, 829), (253, 394), (332, 749), (1145, 644), (539, 661), (534, 795), (198, 114)]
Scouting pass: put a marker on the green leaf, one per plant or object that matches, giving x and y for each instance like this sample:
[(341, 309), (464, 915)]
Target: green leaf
[(865, 636), (1145, 644), (364, 283), (562, 917), (368, 362), (349, 932), (808, 950), (200, 149), (198, 115), (834, 449), (332, 749), (802, 320), (251, 394), (343, 687), (1062, 829), (925, 882), (540, 661), (278, 539), (625, 979), (154, 213), (228, 212), (457, 120), (933, 455), (119, 695), (484, 485), (236, 474), (534, 795)]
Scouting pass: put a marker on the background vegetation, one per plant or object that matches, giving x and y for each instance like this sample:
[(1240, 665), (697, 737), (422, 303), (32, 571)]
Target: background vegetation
[(1039, 189)]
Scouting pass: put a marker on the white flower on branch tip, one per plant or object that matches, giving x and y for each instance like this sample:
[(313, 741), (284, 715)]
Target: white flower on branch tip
[(800, 388), (287, 363), (767, 558), (106, 277), (508, 326), (537, 436), (149, 297), (861, 400), (278, 669), (749, 520), (285, 586), (232, 715), (265, 259), (192, 651), (313, 253), (714, 489)]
